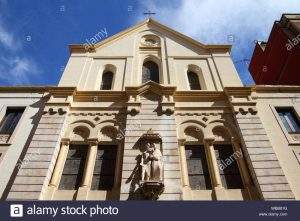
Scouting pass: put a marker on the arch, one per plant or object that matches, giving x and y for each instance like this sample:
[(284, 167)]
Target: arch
[(106, 122), (191, 130), (80, 127), (105, 127), (91, 124), (193, 134), (79, 133), (197, 122), (150, 71), (221, 133), (195, 77), (108, 133), (228, 128)]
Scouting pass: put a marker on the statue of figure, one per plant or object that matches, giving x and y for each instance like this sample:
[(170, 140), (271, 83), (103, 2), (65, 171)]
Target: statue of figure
[(151, 163)]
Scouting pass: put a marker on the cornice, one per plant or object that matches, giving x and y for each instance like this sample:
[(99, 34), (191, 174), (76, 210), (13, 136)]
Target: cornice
[(23, 89), (61, 91), (245, 91), (199, 95), (151, 86), (81, 48), (103, 95), (276, 89)]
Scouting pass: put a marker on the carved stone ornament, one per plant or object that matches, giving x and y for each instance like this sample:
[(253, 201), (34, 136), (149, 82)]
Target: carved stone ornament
[(151, 166), (150, 41), (133, 108), (4, 138)]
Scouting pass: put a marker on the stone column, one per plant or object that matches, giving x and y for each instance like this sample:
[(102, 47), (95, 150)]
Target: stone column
[(183, 163), (218, 189), (215, 173), (59, 166), (88, 170), (241, 162), (118, 174), (186, 189)]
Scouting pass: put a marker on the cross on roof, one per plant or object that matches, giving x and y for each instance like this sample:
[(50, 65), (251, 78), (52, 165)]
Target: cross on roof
[(149, 13)]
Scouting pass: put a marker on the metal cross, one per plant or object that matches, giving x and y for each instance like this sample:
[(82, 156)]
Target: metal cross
[(149, 13)]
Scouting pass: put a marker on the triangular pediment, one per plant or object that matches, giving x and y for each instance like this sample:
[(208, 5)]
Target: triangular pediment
[(152, 25), (149, 87)]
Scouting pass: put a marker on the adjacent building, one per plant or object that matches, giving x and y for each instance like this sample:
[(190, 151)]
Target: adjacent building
[(151, 110), (20, 113), (276, 62)]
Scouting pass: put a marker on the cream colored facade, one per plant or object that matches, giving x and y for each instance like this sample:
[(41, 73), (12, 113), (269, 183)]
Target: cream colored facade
[(12, 147), (222, 112)]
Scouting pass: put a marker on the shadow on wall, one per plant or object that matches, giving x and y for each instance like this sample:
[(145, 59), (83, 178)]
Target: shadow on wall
[(35, 121), (135, 177)]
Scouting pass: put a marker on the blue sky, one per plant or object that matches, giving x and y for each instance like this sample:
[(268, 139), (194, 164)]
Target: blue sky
[(34, 34)]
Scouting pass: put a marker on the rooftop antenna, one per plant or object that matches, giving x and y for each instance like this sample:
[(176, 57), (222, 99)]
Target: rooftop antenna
[(149, 13)]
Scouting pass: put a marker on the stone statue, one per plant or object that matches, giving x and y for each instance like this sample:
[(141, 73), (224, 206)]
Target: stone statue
[(151, 163)]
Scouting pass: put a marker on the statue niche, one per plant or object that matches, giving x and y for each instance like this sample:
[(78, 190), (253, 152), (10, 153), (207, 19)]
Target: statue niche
[(151, 166), (151, 163)]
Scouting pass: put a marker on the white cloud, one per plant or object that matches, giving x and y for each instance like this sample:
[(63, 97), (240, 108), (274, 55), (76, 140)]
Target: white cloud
[(15, 68), (211, 21), (6, 38)]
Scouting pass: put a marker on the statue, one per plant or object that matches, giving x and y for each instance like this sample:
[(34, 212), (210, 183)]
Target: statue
[(151, 163)]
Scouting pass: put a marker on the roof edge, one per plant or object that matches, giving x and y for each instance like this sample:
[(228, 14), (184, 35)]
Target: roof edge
[(83, 48)]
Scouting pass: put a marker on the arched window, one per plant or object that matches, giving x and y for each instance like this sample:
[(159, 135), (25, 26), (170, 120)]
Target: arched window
[(150, 72), (107, 79), (193, 81)]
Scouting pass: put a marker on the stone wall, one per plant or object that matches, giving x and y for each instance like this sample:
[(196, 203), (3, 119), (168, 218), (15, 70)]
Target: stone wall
[(151, 118), (37, 165), (263, 163)]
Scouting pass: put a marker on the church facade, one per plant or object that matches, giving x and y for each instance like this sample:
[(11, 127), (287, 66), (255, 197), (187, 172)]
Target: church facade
[(150, 114)]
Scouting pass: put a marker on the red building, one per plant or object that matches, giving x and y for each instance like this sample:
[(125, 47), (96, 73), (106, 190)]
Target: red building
[(277, 62)]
